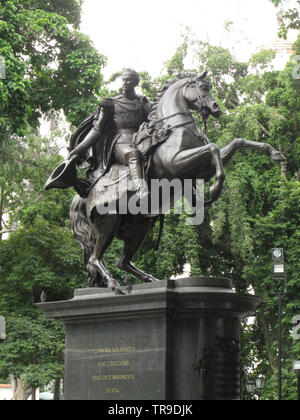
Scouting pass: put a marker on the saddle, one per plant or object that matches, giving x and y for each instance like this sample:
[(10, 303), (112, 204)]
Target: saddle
[(150, 135)]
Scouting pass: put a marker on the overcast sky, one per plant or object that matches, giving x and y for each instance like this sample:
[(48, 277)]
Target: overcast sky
[(144, 34)]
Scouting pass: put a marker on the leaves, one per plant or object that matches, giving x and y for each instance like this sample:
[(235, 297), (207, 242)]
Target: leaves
[(289, 17), (48, 63), (32, 350)]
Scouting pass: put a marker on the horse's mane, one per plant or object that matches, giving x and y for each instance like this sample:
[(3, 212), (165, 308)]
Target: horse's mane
[(163, 89)]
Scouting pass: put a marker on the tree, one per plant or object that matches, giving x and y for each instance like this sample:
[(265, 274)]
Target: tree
[(32, 354), (49, 64)]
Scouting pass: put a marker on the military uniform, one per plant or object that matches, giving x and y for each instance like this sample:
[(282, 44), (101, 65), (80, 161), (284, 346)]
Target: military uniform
[(125, 117)]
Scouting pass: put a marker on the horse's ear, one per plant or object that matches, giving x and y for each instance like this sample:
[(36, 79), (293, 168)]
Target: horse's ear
[(200, 76), (203, 75)]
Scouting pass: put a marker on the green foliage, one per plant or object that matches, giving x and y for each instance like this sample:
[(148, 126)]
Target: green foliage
[(33, 350), (176, 64), (169, 259), (42, 257), (48, 64)]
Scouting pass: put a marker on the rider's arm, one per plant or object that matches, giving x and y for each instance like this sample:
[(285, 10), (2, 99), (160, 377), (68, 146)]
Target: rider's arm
[(100, 121)]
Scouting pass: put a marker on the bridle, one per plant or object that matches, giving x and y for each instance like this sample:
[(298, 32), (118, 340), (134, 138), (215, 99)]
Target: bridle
[(191, 84)]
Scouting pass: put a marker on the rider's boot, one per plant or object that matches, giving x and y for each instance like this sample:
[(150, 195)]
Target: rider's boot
[(135, 164)]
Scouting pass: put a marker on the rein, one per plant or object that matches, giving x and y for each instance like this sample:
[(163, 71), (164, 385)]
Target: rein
[(191, 85), (182, 124), (170, 116), (174, 115)]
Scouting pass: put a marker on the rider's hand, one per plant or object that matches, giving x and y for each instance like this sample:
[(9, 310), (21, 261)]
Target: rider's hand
[(73, 155)]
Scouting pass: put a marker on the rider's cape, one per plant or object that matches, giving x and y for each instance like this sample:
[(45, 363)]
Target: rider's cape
[(98, 156)]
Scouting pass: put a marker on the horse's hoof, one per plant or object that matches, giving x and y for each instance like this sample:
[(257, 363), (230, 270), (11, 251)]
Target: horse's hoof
[(93, 283), (128, 285), (278, 157), (117, 290), (128, 289), (151, 279)]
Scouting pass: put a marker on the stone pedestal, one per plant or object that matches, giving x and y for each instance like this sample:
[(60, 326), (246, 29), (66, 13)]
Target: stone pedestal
[(172, 340)]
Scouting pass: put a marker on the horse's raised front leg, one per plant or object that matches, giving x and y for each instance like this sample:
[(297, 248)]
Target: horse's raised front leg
[(228, 151), (187, 160)]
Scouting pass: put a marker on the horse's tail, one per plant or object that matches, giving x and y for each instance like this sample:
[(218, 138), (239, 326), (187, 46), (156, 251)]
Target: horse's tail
[(81, 229)]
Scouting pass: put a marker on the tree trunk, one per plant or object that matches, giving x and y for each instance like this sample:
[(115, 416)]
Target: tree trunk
[(56, 390), (33, 394), (18, 389), (283, 165), (1, 213), (268, 339)]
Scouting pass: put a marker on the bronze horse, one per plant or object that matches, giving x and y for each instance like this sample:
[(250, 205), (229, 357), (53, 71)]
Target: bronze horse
[(184, 154)]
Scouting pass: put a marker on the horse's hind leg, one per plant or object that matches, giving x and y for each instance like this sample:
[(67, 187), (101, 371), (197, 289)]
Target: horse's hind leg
[(228, 151), (104, 229), (133, 239)]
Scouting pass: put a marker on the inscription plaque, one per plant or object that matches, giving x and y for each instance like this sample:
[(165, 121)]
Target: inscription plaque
[(113, 366)]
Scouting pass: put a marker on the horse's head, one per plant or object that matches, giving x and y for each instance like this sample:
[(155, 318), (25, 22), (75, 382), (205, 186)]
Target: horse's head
[(199, 97)]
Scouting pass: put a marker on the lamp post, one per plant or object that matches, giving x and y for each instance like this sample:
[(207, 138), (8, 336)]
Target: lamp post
[(279, 273), (257, 383), (2, 328), (296, 336)]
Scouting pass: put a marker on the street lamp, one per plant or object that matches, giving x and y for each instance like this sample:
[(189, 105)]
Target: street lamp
[(257, 383), (279, 270), (279, 273), (250, 386), (260, 381), (296, 368)]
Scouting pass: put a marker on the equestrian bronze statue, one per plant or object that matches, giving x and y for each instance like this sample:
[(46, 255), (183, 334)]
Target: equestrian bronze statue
[(125, 145)]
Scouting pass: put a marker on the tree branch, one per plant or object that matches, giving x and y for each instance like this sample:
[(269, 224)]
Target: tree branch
[(267, 132), (7, 231)]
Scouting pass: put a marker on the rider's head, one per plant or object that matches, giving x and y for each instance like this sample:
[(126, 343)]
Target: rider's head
[(130, 76)]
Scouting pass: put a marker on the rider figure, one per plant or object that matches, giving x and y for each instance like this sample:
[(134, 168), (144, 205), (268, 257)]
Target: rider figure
[(125, 113)]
